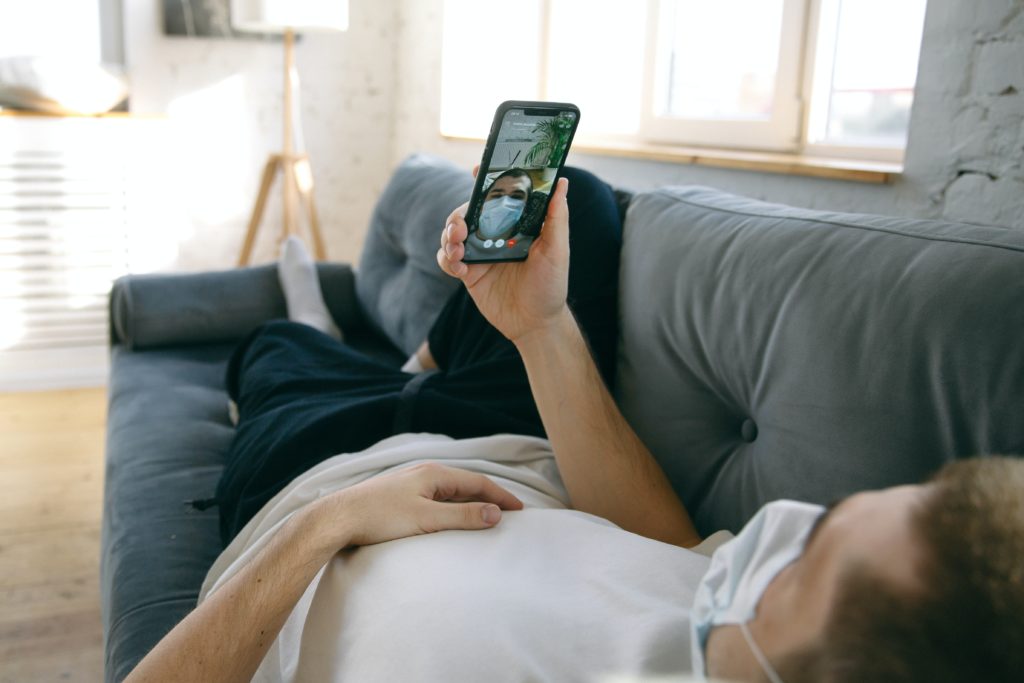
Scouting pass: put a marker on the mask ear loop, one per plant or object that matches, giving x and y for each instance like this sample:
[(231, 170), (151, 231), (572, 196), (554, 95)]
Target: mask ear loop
[(766, 666)]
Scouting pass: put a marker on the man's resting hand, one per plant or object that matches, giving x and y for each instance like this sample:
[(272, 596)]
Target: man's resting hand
[(414, 500)]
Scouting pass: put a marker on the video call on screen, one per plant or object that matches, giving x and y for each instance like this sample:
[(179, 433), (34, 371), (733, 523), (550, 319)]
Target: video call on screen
[(518, 180)]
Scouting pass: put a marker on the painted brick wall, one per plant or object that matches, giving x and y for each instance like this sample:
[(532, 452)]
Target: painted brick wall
[(222, 102), (974, 82)]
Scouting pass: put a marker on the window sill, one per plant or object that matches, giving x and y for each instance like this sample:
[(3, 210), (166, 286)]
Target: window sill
[(855, 170), (22, 113)]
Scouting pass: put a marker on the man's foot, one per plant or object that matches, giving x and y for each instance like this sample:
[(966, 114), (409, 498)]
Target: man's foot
[(420, 361), (297, 273), (413, 365)]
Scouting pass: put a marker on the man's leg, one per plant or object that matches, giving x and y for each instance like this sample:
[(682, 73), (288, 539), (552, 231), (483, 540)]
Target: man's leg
[(300, 396)]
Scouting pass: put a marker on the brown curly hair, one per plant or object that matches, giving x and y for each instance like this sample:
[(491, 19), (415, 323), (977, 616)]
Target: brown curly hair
[(966, 620)]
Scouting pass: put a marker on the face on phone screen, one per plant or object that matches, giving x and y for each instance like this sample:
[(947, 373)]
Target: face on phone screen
[(529, 150)]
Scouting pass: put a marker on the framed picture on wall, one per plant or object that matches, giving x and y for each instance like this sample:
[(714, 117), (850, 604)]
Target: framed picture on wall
[(204, 19)]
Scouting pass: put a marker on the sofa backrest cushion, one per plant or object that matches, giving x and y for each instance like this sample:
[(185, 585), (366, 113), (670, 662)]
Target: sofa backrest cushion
[(772, 352), (400, 286)]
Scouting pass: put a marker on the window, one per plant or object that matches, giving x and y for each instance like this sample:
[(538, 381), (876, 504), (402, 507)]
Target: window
[(827, 77), (85, 30), (861, 85)]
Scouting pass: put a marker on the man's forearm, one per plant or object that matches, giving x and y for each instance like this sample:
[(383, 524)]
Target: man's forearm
[(607, 470), (226, 637)]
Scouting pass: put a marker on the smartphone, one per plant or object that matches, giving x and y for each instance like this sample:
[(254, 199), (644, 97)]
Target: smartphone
[(522, 161)]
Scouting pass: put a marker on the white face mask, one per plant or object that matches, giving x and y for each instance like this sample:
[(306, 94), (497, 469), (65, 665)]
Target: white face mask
[(741, 570), (500, 214)]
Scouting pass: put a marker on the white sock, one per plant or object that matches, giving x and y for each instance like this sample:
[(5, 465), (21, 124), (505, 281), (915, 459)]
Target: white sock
[(297, 273), (413, 365)]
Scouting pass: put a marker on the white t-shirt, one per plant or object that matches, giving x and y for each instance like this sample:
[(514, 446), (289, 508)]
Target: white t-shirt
[(548, 594)]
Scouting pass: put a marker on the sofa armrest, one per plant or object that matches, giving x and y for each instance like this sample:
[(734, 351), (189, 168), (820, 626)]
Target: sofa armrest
[(155, 310)]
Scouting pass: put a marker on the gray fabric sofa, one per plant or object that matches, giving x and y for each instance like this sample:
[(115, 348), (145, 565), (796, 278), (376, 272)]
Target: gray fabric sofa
[(765, 352)]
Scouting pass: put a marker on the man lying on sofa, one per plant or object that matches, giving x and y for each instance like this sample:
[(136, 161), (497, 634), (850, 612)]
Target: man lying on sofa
[(911, 583)]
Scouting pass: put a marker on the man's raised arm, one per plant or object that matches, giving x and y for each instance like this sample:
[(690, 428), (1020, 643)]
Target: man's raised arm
[(607, 470)]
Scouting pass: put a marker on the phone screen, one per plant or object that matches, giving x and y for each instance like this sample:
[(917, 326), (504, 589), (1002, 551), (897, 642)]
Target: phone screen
[(525, 153)]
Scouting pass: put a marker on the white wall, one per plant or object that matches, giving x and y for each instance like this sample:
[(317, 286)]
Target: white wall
[(223, 103), (964, 158)]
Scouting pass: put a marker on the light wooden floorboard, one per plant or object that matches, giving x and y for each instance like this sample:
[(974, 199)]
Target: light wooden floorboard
[(51, 489)]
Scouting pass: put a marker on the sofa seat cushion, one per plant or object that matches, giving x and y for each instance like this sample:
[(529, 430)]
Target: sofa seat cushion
[(771, 352), (167, 433)]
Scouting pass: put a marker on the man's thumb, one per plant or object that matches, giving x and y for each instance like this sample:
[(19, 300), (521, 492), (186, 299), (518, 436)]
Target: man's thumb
[(466, 515), (558, 209), (556, 223)]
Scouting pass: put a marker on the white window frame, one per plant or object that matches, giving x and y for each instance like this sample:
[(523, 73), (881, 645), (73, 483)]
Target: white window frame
[(780, 133), (817, 67), (801, 92)]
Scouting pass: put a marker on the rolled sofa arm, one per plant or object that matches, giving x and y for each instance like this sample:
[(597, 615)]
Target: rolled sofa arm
[(153, 310)]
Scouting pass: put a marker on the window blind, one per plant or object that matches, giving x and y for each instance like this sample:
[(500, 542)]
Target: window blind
[(63, 240)]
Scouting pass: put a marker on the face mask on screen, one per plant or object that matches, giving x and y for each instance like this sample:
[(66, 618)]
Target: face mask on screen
[(500, 214)]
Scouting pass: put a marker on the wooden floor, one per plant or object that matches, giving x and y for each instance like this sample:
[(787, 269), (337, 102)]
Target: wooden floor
[(51, 488)]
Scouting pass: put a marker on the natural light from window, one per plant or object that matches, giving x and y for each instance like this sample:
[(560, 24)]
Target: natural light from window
[(51, 28), (482, 68), (718, 67), (830, 78), (865, 72), (598, 67)]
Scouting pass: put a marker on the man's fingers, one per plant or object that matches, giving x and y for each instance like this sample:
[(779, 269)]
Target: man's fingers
[(454, 267), (452, 237), (443, 485), (463, 485), (449, 256), (451, 483), (455, 229)]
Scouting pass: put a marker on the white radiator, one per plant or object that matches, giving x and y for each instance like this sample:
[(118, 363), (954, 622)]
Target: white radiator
[(64, 187)]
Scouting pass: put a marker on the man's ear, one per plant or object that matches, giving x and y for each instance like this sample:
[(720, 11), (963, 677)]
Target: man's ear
[(476, 170)]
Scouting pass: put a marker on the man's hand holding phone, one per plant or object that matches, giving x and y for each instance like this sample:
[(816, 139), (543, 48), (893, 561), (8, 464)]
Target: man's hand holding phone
[(607, 470), (520, 297)]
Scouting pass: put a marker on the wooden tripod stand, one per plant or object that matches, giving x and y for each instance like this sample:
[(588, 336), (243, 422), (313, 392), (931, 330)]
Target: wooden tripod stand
[(298, 176)]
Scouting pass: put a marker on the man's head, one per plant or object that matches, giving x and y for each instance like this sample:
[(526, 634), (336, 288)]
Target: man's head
[(915, 583), (515, 183), (504, 204)]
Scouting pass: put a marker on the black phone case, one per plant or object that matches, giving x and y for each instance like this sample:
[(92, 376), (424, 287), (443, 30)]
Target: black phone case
[(492, 139)]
